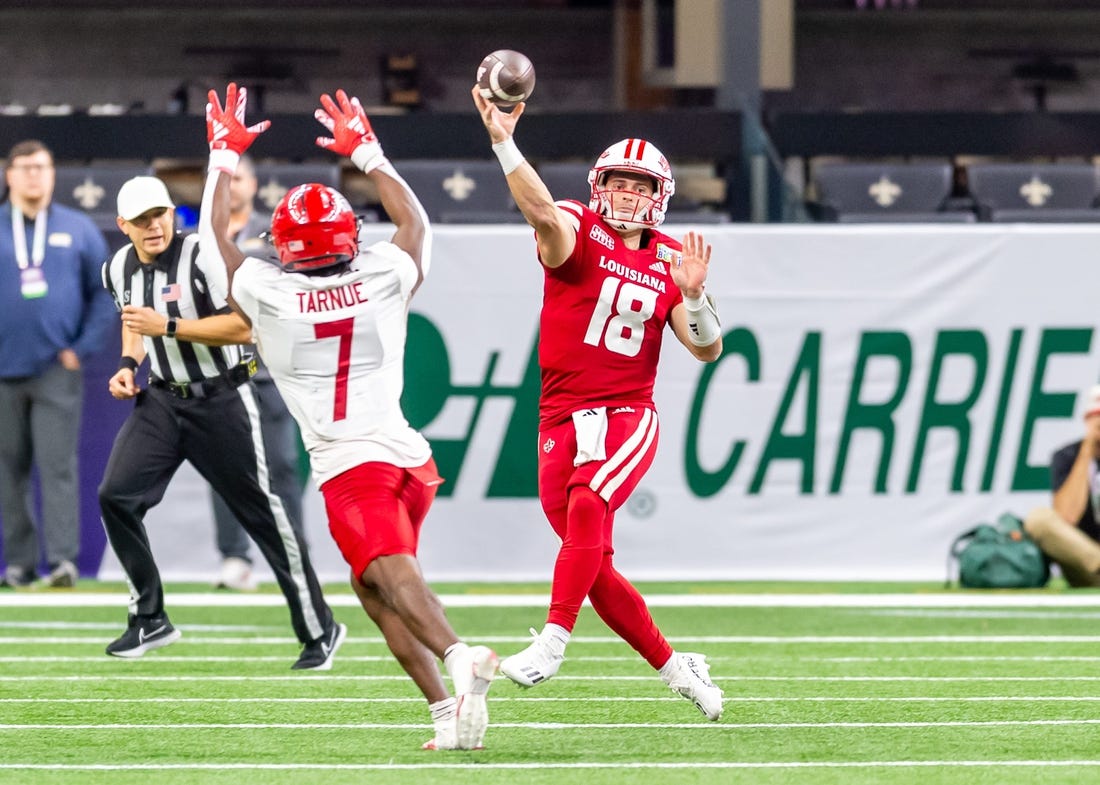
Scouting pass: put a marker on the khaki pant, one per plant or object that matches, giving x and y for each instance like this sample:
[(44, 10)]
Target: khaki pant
[(1077, 554)]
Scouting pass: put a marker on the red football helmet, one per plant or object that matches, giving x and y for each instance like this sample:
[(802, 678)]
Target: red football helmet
[(313, 227), (638, 157)]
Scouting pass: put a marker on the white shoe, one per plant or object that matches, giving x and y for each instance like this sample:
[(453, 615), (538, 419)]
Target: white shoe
[(446, 736), (237, 574), (472, 671), (691, 679), (534, 665)]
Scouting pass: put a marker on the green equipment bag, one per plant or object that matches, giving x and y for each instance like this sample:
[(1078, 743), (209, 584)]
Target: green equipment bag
[(999, 556)]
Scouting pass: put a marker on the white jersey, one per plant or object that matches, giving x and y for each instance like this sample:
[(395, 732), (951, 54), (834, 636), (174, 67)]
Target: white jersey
[(335, 346)]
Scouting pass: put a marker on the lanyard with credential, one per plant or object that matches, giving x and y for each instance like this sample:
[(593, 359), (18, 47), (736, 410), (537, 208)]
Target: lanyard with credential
[(33, 282)]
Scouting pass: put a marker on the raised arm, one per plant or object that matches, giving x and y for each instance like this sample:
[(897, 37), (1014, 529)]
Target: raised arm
[(228, 138), (352, 136), (695, 320), (556, 236)]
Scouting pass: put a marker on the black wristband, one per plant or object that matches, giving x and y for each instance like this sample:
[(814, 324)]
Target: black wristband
[(128, 362), (170, 327)]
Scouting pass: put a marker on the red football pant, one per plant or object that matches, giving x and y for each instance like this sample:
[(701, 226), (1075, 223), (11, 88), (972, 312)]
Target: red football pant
[(377, 509), (580, 503)]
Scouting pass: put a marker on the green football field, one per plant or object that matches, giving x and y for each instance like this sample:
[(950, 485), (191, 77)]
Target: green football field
[(824, 684)]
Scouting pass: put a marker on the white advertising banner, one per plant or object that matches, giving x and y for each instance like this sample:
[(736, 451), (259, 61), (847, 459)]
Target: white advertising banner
[(881, 389)]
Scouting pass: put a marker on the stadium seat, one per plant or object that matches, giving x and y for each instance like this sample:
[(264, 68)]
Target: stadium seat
[(566, 179), (886, 192), (1008, 193), (92, 189), (460, 191), (274, 180)]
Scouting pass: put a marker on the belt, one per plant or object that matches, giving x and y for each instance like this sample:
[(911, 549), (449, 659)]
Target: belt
[(204, 388)]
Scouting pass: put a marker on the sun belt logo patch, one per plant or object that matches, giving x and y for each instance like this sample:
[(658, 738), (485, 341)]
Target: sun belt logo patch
[(666, 254)]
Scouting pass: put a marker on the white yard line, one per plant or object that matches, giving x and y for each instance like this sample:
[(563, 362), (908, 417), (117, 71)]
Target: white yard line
[(886, 764), (960, 599), (8, 640), (330, 677), (600, 698), (497, 726)]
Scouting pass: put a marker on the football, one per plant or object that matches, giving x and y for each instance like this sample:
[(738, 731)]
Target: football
[(506, 77)]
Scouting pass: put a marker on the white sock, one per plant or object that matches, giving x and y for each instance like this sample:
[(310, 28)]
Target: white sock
[(669, 668), (449, 654), (556, 637), (442, 710)]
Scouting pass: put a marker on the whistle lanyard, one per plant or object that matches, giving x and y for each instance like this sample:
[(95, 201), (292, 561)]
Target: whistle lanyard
[(19, 232)]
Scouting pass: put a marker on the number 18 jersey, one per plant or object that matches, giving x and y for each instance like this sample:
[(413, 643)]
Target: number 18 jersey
[(335, 346), (603, 316)]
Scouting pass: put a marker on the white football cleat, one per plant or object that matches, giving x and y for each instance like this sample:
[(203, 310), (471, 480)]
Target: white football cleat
[(691, 679), (534, 665), (472, 671), (446, 736)]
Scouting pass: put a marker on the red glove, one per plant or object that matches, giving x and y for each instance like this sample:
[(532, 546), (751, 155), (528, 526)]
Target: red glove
[(225, 128), (347, 123)]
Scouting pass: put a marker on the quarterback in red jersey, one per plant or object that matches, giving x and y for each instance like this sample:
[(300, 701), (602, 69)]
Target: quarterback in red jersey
[(612, 284)]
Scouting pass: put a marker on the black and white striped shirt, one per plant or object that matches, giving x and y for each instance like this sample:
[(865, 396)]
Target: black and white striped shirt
[(174, 285)]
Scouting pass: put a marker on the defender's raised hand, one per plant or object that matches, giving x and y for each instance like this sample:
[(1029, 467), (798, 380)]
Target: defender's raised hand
[(225, 128), (346, 121)]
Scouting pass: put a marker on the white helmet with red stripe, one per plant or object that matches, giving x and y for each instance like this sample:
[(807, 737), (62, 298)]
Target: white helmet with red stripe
[(639, 157)]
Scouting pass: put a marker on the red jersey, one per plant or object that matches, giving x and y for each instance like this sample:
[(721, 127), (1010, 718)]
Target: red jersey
[(603, 316)]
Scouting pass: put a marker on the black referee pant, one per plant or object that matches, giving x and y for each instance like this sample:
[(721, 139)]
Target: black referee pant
[(220, 435)]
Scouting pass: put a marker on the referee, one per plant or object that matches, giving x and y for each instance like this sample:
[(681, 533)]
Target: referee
[(199, 406)]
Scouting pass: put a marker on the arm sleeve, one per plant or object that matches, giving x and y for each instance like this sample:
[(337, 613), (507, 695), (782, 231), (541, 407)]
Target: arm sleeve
[(210, 255)]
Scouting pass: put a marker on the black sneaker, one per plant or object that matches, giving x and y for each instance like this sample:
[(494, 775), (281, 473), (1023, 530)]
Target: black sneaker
[(17, 577), (317, 655), (144, 633)]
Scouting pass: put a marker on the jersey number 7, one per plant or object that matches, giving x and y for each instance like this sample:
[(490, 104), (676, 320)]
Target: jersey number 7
[(344, 330)]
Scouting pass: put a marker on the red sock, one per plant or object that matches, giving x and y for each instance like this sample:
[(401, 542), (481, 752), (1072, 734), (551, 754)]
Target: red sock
[(622, 609), (579, 558)]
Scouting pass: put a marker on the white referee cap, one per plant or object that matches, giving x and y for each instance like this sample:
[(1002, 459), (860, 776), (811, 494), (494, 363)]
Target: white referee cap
[(140, 194)]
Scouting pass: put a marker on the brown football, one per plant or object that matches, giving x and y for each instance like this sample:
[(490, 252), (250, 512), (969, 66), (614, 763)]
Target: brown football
[(506, 77)]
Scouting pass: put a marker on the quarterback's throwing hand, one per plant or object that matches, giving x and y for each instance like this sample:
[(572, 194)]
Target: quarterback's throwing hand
[(225, 128), (346, 121)]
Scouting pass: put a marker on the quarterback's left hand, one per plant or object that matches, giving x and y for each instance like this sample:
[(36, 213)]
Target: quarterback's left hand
[(225, 128), (691, 272)]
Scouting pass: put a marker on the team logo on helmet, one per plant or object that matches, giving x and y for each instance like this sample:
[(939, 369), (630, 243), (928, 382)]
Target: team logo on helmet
[(314, 227)]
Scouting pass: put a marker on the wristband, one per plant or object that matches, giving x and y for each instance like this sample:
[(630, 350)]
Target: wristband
[(170, 327), (368, 156), (223, 161), (509, 155), (703, 325), (126, 361)]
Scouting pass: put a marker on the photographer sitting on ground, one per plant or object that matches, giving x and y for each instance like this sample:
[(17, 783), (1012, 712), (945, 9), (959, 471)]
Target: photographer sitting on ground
[(1068, 531)]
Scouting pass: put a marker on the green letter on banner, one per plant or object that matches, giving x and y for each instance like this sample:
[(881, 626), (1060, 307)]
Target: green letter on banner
[(876, 416), (703, 483), (800, 447), (970, 343), (1041, 404)]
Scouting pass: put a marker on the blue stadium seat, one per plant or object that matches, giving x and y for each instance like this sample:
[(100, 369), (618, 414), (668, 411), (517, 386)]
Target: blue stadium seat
[(1062, 193), (886, 192), (461, 191)]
